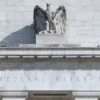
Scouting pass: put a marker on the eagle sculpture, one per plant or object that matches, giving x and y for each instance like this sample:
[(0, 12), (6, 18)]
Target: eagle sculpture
[(45, 20)]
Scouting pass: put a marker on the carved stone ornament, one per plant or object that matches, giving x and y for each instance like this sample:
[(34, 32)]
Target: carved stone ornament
[(46, 21)]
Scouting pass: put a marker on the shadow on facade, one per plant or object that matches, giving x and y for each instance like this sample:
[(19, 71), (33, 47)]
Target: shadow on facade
[(25, 35), (50, 64)]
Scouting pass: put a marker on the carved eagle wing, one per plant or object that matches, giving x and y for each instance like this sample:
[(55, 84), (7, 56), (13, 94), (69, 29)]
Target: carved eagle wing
[(40, 18), (59, 20)]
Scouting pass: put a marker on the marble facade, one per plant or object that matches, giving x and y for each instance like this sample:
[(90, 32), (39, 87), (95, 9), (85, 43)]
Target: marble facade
[(83, 20)]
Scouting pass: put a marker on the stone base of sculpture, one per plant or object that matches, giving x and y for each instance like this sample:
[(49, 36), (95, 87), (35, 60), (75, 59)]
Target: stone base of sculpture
[(50, 39)]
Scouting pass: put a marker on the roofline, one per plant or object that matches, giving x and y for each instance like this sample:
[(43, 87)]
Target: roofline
[(50, 52)]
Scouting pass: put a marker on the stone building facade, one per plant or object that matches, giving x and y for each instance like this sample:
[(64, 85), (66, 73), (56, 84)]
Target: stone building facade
[(16, 19), (70, 71)]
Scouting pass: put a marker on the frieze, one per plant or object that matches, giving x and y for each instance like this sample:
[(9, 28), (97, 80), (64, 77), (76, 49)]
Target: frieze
[(48, 80), (42, 79), (50, 64)]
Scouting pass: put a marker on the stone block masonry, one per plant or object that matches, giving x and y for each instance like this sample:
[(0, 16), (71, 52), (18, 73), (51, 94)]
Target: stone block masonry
[(83, 21)]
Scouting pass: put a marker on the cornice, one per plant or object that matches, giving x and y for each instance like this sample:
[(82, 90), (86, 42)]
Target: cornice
[(64, 52)]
